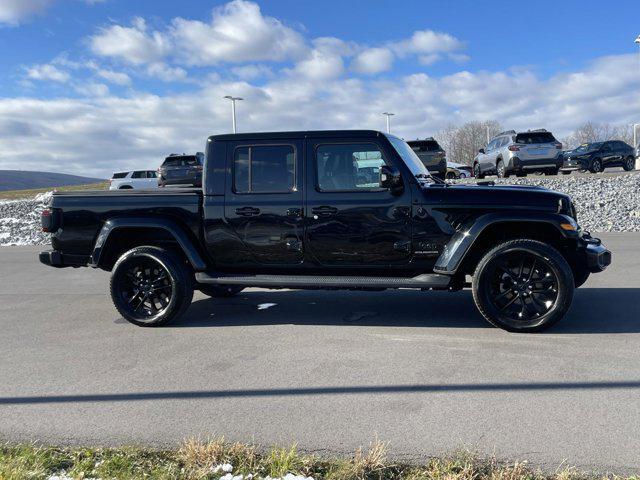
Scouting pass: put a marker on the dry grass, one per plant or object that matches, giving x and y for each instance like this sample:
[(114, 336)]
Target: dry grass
[(196, 459), (30, 193)]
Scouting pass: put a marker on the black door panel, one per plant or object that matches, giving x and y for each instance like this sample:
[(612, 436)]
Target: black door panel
[(350, 220), (263, 200)]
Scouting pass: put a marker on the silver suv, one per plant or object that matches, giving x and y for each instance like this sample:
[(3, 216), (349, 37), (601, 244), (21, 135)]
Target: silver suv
[(519, 153)]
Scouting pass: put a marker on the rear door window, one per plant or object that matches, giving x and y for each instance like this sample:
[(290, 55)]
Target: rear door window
[(264, 169), (120, 175), (141, 174)]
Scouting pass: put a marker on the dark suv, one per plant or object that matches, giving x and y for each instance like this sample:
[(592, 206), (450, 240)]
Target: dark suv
[(181, 170), (597, 156), (431, 154)]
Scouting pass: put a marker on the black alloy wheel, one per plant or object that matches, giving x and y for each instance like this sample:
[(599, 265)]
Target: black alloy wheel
[(596, 166), (150, 286), (629, 164), (523, 285)]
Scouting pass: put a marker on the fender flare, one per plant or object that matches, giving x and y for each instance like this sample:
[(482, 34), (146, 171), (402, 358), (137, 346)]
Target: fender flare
[(175, 230), (463, 240)]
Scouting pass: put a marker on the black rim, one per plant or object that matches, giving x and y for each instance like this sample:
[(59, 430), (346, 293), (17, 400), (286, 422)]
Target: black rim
[(144, 289), (596, 165), (524, 287)]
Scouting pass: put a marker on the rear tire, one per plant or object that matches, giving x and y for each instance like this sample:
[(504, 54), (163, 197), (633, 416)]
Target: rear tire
[(629, 164), (523, 286), (220, 291), (151, 286)]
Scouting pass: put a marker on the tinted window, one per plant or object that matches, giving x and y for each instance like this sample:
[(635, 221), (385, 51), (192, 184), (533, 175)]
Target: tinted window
[(349, 167), (264, 169), (120, 175), (190, 161), (425, 146), (151, 174), (139, 175), (606, 147), (172, 162), (535, 137)]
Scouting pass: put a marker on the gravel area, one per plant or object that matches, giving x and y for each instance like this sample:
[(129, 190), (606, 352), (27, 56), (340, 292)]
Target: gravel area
[(605, 203), (20, 221)]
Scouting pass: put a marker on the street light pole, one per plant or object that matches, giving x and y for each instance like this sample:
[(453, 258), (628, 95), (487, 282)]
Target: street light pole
[(387, 114), (636, 125), (233, 110)]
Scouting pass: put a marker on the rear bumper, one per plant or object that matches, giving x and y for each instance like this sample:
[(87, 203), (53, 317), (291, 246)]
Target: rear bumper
[(55, 258), (597, 256), (532, 165)]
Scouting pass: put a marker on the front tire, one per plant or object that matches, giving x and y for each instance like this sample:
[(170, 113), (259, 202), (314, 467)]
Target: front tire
[(629, 164), (501, 171), (477, 172), (596, 166), (151, 286), (523, 286), (220, 291)]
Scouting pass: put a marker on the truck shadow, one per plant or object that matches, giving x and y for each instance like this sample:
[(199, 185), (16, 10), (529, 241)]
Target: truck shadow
[(594, 310)]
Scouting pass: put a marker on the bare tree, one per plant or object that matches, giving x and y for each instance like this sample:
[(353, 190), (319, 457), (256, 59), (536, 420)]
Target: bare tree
[(598, 132), (462, 143)]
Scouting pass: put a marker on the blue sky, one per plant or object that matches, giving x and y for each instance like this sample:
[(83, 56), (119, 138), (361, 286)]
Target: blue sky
[(137, 79)]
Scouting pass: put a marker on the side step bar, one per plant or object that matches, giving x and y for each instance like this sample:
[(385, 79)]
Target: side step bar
[(430, 280)]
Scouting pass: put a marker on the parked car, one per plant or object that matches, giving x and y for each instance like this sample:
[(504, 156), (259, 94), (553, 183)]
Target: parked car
[(137, 179), (290, 210), (431, 154), (519, 153), (597, 156), (458, 170), (181, 170)]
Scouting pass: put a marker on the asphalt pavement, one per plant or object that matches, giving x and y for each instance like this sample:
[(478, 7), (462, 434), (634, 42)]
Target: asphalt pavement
[(328, 370)]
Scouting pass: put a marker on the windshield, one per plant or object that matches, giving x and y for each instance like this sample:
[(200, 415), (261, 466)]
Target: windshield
[(588, 147), (411, 160)]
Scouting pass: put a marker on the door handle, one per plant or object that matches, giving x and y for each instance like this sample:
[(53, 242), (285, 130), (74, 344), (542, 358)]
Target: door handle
[(293, 212), (324, 211), (247, 211)]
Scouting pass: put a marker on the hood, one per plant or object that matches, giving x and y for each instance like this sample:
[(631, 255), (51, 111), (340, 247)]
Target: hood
[(508, 197)]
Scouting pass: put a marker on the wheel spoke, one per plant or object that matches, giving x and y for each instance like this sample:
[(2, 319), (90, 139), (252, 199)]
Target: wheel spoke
[(509, 303)]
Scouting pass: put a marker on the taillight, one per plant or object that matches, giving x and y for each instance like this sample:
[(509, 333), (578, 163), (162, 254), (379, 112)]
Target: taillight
[(514, 148), (45, 219), (559, 145)]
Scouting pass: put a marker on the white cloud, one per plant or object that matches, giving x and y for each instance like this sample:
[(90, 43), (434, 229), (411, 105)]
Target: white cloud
[(238, 32), (429, 59), (166, 73), (92, 89), (373, 60), (13, 12), (119, 78), (97, 134), (48, 72), (132, 44), (428, 41), (253, 71)]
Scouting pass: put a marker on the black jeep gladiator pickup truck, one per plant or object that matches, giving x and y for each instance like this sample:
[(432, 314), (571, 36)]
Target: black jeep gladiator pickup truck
[(327, 210)]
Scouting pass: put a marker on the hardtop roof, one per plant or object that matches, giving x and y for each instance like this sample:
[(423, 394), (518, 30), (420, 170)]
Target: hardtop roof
[(296, 134)]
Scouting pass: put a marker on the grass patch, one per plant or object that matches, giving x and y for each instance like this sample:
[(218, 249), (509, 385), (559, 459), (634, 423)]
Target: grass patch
[(216, 458), (32, 192)]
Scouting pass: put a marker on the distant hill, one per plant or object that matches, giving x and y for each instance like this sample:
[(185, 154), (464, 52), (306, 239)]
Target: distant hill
[(23, 179)]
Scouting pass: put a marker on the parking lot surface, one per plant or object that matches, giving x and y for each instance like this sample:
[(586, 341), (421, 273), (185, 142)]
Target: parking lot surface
[(328, 370)]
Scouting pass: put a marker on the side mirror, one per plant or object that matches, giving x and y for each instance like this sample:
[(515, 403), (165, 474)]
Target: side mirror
[(482, 150), (391, 179)]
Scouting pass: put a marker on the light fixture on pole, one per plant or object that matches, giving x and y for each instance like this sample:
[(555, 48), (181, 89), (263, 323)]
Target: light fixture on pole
[(387, 114), (233, 109)]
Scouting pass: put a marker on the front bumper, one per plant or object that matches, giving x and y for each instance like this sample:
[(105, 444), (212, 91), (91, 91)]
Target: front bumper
[(55, 258), (597, 256), (571, 164)]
